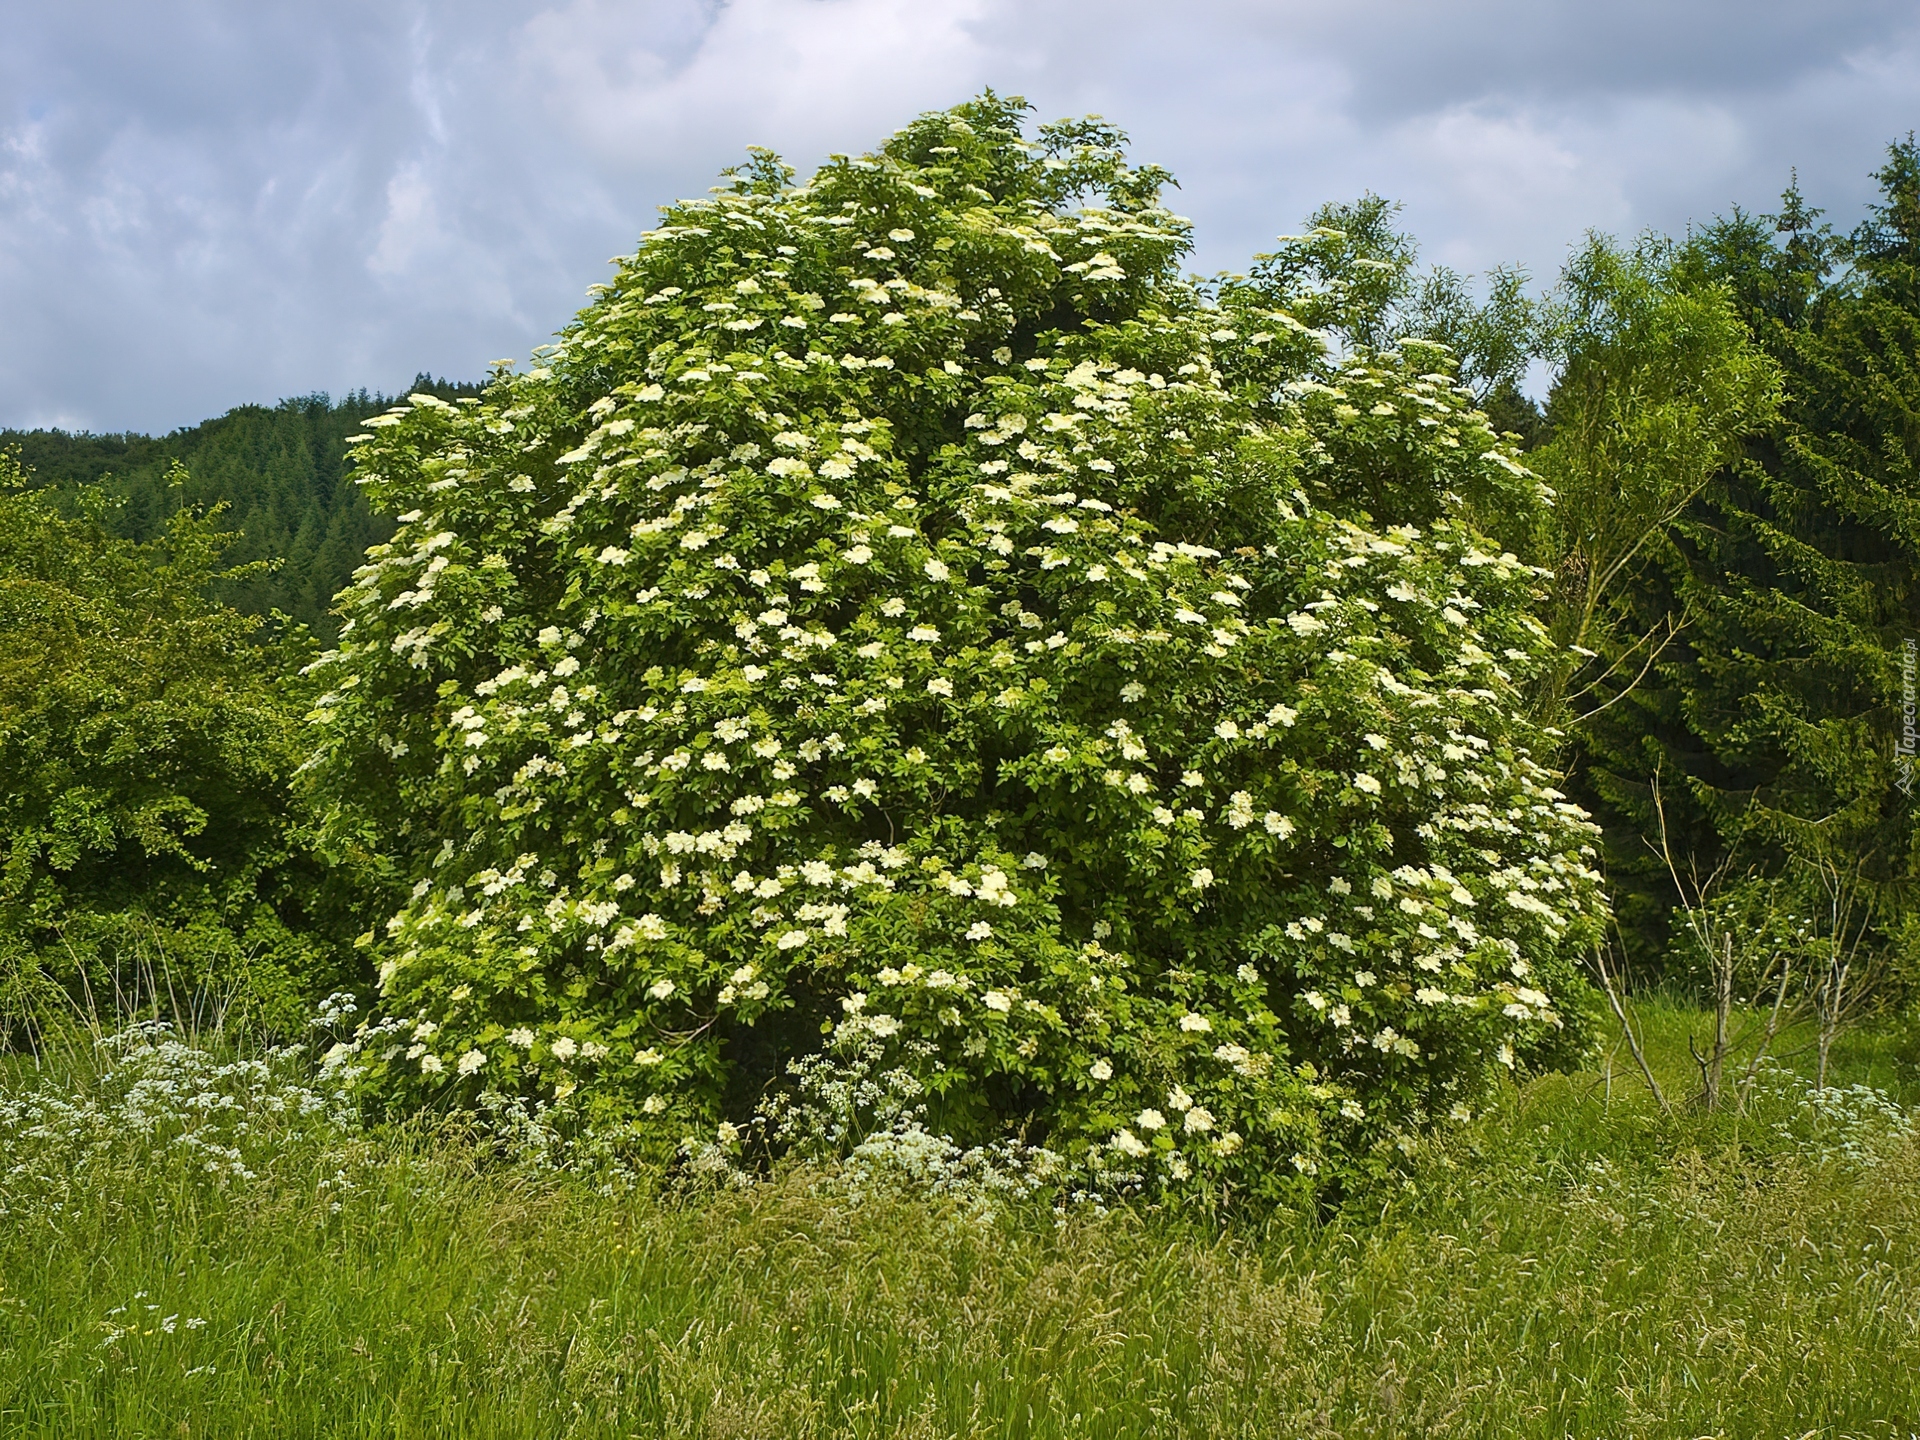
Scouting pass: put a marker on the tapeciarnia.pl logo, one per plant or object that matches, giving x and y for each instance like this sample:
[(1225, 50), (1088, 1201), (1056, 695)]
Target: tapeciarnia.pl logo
[(1903, 749)]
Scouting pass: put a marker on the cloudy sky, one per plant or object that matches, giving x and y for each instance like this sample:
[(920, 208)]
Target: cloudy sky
[(210, 202)]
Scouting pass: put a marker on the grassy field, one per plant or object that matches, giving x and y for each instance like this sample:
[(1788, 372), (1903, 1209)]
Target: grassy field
[(1573, 1265)]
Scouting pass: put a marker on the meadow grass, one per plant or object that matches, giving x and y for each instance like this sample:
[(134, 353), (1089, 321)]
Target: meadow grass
[(1573, 1264)]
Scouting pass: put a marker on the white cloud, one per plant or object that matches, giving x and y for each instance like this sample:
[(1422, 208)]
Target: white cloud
[(816, 74), (410, 231)]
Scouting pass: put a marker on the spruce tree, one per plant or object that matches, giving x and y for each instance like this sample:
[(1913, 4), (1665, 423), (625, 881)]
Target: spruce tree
[(1773, 716)]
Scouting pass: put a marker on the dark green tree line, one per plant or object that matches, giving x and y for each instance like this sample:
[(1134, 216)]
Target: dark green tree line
[(280, 470)]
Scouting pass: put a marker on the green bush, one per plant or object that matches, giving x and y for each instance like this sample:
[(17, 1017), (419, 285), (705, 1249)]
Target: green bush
[(895, 609), (151, 843)]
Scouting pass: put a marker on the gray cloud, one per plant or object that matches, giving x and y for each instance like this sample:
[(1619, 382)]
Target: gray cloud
[(208, 203)]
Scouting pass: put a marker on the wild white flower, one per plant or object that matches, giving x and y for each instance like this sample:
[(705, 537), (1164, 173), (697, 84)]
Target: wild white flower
[(1198, 1120), (431, 1065), (1366, 784), (1150, 1120), (1195, 1024), (1227, 730), (936, 570), (940, 685), (995, 1000), (1128, 1143), (471, 1062), (791, 940), (979, 930), (924, 633), (1234, 1055), (661, 989), (1101, 1069), (1201, 878)]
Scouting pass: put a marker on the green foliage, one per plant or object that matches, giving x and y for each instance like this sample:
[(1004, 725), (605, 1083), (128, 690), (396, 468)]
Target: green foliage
[(1774, 713), (1660, 384), (1495, 340), (279, 470), (1349, 274), (147, 743), (895, 610), (1348, 283)]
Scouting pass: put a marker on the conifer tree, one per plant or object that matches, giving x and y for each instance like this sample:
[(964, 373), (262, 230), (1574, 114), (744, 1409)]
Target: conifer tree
[(1774, 714)]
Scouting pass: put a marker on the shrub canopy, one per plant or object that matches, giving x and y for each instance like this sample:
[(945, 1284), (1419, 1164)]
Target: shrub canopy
[(154, 849), (901, 607)]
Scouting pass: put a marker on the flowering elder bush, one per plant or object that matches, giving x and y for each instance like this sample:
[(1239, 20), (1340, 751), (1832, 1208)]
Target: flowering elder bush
[(894, 610)]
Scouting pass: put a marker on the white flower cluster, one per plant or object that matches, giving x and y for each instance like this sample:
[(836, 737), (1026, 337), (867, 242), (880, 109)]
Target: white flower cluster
[(159, 1098)]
